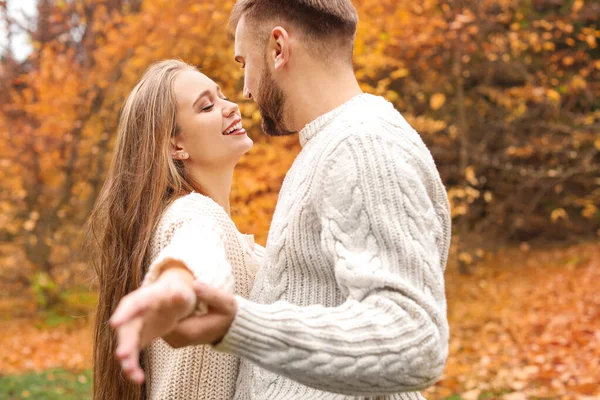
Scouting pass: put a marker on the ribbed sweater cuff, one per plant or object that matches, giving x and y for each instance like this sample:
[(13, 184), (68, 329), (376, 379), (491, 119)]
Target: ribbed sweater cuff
[(248, 335)]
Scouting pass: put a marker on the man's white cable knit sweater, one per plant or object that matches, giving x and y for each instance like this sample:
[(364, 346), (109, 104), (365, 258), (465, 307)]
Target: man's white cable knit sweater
[(351, 299)]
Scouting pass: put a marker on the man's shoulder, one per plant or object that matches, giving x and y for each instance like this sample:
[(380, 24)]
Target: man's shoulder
[(374, 130), (380, 120)]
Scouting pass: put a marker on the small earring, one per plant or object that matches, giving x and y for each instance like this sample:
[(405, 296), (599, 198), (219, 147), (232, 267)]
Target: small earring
[(184, 156)]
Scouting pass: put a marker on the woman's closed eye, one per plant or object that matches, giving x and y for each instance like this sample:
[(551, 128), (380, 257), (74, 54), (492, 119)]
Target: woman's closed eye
[(208, 108)]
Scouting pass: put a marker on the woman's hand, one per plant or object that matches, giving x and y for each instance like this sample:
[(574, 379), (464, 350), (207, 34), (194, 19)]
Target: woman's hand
[(151, 312)]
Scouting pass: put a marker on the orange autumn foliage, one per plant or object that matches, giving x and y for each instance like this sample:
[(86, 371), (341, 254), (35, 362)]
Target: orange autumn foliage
[(504, 93)]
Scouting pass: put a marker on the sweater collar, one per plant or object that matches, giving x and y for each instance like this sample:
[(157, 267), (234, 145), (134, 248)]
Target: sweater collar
[(319, 124)]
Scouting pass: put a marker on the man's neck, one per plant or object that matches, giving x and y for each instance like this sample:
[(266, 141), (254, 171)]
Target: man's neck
[(318, 92)]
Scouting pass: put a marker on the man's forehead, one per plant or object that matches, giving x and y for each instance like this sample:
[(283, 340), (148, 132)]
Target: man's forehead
[(240, 35)]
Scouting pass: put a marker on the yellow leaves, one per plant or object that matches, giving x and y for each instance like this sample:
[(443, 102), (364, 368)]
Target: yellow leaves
[(465, 258), (424, 125), (488, 197), (568, 61), (460, 198), (257, 180), (589, 210), (470, 175), (256, 117), (437, 101), (559, 214), (591, 41), (399, 73), (549, 46), (553, 95), (29, 225), (472, 394), (520, 152), (578, 83), (597, 144), (577, 6), (516, 395)]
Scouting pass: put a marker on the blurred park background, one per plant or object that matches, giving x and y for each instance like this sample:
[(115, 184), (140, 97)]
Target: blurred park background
[(505, 93)]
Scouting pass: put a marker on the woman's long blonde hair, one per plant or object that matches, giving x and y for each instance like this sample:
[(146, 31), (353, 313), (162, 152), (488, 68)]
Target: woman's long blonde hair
[(142, 180)]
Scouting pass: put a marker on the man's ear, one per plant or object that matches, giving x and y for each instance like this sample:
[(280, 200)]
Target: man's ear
[(279, 47)]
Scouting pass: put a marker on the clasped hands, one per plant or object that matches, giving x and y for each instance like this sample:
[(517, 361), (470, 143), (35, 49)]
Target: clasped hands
[(165, 309)]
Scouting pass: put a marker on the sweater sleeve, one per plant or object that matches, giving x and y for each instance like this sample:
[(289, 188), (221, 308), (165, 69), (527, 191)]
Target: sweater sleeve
[(380, 231), (197, 243)]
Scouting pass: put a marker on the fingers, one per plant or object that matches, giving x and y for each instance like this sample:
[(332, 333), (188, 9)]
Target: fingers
[(204, 329), (128, 350), (187, 333), (218, 300), (129, 307)]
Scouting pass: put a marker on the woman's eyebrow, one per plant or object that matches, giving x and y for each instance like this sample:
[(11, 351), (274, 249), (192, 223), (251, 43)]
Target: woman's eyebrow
[(200, 96)]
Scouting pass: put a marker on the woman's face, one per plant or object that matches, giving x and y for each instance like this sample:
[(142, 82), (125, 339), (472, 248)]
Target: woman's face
[(210, 126)]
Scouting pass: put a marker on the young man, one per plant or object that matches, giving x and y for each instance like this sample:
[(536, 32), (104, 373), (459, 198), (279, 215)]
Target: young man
[(351, 300)]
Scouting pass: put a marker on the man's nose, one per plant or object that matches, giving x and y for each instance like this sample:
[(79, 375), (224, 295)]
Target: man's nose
[(247, 94)]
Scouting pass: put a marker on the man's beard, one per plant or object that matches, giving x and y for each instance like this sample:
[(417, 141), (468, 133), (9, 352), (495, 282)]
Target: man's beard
[(271, 106)]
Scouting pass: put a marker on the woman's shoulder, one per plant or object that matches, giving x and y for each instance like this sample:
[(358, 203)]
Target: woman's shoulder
[(194, 214), (194, 205), (192, 208)]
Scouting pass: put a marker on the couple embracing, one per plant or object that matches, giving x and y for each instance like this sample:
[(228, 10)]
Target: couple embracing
[(347, 299)]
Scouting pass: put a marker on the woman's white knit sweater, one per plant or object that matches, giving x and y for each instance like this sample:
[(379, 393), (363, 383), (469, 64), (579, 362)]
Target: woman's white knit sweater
[(351, 299), (198, 232)]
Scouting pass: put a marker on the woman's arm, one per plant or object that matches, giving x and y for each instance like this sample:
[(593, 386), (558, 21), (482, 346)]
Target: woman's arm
[(152, 311), (196, 251)]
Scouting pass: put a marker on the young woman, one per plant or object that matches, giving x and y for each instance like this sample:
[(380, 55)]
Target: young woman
[(161, 222)]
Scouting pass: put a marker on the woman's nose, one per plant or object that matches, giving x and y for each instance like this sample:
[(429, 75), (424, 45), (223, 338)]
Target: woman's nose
[(230, 109)]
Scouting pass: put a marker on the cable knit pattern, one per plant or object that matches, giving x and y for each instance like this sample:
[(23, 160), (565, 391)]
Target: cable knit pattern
[(197, 232), (350, 303)]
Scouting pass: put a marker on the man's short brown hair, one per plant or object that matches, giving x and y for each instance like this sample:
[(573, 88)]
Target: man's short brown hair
[(325, 22)]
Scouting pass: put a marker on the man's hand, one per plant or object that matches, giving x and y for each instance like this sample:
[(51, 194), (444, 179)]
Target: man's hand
[(209, 328), (149, 313)]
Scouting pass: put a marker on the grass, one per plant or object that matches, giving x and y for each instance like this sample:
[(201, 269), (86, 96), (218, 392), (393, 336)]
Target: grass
[(52, 384), (61, 384)]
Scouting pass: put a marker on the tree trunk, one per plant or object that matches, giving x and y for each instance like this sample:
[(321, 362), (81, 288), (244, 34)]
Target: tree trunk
[(463, 128)]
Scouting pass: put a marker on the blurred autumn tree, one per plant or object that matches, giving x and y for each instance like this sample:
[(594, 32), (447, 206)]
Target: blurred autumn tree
[(504, 92)]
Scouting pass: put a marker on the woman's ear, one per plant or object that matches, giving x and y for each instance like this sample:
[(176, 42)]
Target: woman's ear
[(177, 150)]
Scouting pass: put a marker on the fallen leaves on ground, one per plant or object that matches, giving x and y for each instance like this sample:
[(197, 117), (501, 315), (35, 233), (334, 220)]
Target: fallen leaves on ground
[(28, 345), (524, 325)]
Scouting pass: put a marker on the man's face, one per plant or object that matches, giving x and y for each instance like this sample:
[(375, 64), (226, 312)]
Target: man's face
[(259, 83)]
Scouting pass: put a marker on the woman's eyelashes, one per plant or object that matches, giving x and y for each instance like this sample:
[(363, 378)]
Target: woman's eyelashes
[(211, 106)]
